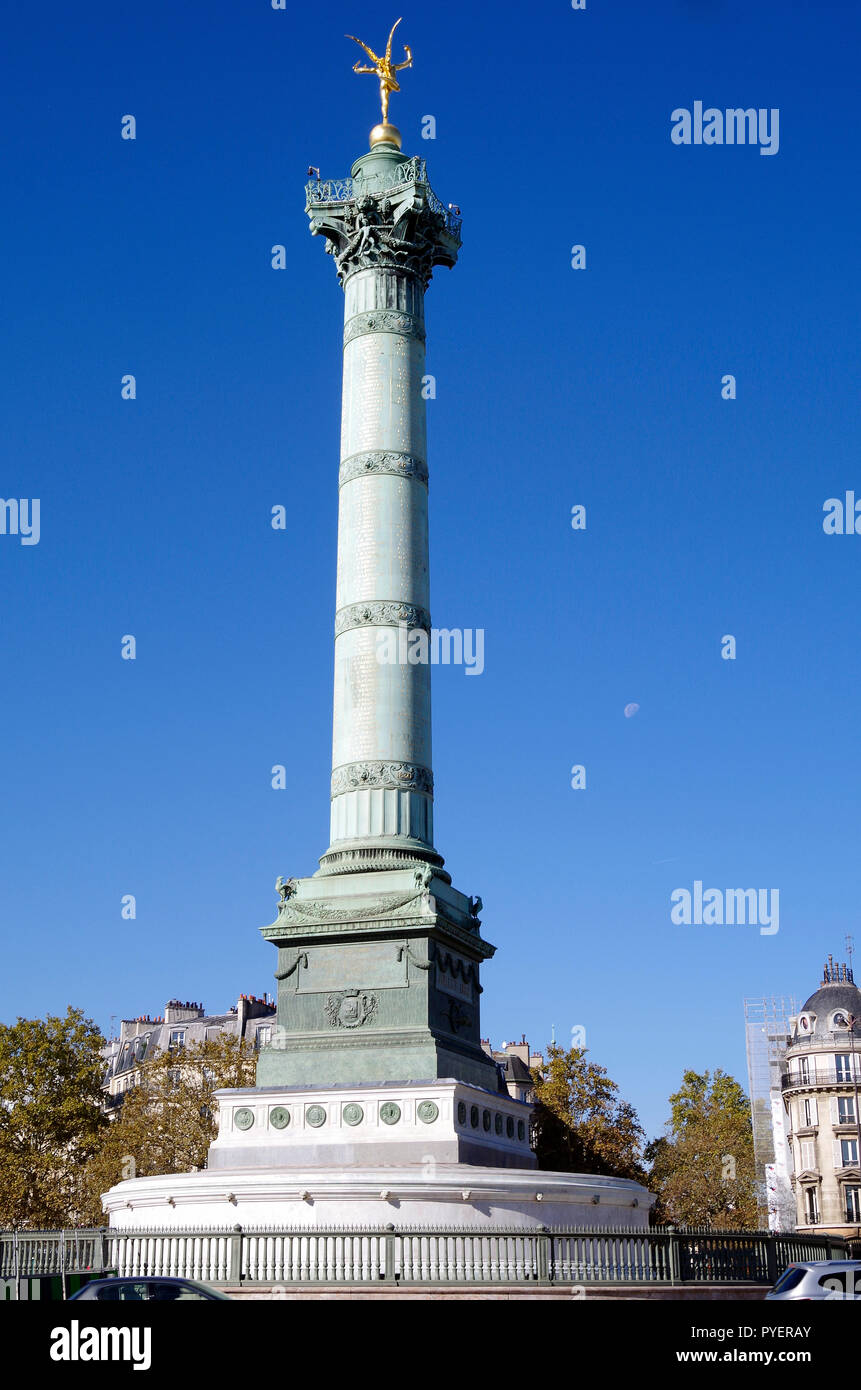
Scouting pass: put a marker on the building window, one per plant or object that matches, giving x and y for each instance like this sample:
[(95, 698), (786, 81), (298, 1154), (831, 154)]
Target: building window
[(843, 1063), (811, 1206), (264, 1035), (845, 1110), (803, 1069), (852, 1197), (177, 1039), (808, 1156), (808, 1114), (849, 1153)]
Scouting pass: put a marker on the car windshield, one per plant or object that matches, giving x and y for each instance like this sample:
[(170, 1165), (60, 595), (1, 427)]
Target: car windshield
[(790, 1278)]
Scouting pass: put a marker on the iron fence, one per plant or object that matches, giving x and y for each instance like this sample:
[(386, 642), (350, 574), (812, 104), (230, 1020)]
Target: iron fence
[(416, 1256)]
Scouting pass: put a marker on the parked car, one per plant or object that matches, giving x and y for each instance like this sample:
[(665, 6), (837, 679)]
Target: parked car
[(147, 1291), (815, 1279)]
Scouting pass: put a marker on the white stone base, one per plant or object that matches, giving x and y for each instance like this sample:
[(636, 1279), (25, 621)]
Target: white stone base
[(438, 1195), (436, 1154), (363, 1126)]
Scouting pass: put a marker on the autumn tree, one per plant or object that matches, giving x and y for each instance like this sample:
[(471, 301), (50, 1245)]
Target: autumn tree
[(50, 1117), (167, 1121), (579, 1124), (702, 1168)]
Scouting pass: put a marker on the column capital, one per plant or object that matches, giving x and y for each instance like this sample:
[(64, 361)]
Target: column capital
[(385, 216)]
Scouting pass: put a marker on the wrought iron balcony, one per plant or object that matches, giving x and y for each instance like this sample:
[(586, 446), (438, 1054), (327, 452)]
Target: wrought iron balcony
[(821, 1076), (333, 192)]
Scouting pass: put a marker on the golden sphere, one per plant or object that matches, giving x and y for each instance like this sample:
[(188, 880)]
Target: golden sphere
[(386, 135)]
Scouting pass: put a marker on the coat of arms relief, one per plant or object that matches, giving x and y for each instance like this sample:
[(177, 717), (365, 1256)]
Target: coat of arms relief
[(350, 1008)]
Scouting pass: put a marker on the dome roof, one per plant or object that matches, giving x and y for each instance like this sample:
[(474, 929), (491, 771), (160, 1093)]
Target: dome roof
[(829, 997), (837, 992)]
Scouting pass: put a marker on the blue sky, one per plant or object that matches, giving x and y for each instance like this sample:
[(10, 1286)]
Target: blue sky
[(554, 387)]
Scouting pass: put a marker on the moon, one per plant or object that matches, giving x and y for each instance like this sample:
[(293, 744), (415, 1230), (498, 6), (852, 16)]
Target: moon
[(630, 711)]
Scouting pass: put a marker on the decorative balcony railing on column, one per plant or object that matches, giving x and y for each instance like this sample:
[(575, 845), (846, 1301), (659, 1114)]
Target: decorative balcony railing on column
[(326, 192)]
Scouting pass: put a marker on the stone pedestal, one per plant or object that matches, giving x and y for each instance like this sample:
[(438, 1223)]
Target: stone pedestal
[(440, 1121), (378, 981), (437, 1155)]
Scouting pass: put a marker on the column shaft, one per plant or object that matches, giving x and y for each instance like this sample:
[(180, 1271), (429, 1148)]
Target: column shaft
[(381, 742)]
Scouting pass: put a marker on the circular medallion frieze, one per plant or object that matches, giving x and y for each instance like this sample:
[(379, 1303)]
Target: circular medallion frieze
[(428, 1110), (353, 1114), (485, 1120), (390, 1113), (509, 1127), (473, 1116), (243, 1119), (521, 1130), (497, 1123), (279, 1118), (316, 1116), (461, 1112)]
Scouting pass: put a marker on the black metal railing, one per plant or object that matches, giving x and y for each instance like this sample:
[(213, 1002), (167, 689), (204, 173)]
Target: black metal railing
[(822, 1076)]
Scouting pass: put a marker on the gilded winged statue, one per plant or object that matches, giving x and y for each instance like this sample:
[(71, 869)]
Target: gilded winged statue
[(384, 68)]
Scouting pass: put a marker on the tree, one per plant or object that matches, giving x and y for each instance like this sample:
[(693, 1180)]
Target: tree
[(50, 1117), (579, 1125), (167, 1121), (703, 1167)]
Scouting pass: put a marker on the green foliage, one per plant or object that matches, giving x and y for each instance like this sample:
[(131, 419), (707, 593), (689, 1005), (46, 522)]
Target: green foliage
[(703, 1167), (50, 1117), (167, 1123), (579, 1125)]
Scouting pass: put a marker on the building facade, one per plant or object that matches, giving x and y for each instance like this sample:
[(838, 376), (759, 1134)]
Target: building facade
[(517, 1062), (181, 1025), (820, 1083)]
